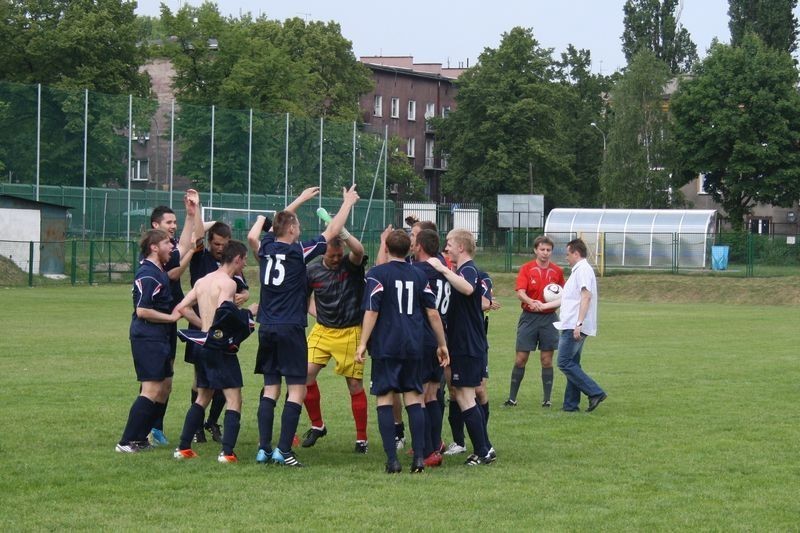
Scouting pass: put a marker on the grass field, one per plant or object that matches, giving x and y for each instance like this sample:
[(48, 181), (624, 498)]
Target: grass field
[(699, 432)]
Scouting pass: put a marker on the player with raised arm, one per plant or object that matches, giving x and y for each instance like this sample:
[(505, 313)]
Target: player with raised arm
[(150, 335), (221, 328), (164, 218), (282, 318), (466, 338), (535, 326), (336, 283), (207, 259), (394, 300)]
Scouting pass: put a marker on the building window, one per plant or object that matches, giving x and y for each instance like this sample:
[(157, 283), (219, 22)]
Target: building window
[(395, 108), (701, 184), (378, 111), (140, 170), (430, 110), (411, 146), (445, 111), (412, 110), (444, 161), (428, 153)]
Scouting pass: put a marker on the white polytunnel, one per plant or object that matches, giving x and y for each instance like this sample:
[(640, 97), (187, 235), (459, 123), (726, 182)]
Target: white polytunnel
[(643, 238)]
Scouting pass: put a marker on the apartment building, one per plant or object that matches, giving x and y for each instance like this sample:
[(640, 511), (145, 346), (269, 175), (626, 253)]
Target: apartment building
[(406, 95)]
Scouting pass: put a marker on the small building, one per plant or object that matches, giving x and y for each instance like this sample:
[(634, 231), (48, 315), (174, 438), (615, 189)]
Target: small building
[(23, 221), (637, 238)]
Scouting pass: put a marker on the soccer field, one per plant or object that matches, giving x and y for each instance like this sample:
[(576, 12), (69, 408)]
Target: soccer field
[(699, 432)]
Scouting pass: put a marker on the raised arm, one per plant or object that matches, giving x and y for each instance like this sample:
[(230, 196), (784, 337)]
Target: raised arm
[(254, 235), (382, 257), (199, 228), (356, 250), (191, 202), (305, 196), (336, 225)]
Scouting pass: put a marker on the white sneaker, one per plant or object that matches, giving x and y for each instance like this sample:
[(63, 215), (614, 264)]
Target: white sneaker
[(399, 442), (455, 449)]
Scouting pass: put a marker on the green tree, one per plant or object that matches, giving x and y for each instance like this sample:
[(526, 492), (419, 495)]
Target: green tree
[(738, 122), (653, 25), (307, 70), (636, 173), (772, 20), (508, 134), (582, 105), (69, 46)]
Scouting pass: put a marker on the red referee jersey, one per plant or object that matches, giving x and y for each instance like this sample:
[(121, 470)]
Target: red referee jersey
[(533, 279)]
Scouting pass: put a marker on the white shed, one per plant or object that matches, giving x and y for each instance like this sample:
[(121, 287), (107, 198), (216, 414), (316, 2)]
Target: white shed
[(643, 238)]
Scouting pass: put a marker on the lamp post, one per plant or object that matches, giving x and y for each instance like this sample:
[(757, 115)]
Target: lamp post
[(594, 125)]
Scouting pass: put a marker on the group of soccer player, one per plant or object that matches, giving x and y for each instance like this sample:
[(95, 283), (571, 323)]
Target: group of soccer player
[(419, 313)]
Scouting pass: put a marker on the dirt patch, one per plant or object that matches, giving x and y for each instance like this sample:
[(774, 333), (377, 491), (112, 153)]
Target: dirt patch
[(10, 273)]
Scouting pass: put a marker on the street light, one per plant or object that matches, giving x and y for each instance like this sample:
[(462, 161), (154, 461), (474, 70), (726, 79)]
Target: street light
[(594, 125)]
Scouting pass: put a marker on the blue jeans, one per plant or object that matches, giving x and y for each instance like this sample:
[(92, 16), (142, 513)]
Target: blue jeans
[(569, 362)]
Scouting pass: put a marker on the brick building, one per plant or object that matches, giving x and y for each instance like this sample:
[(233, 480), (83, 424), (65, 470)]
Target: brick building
[(406, 94)]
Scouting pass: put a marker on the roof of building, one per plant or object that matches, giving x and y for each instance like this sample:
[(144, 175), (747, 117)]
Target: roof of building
[(406, 65)]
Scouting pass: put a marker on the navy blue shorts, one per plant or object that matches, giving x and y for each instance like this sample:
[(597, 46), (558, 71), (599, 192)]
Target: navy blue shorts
[(466, 371), (215, 369), (395, 375), (282, 352), (173, 340), (486, 365), (432, 372), (152, 359)]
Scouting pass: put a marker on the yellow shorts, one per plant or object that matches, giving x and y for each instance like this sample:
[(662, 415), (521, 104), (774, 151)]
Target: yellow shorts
[(339, 343)]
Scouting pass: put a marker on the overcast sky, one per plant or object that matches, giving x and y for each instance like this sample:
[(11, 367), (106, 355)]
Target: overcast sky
[(440, 32)]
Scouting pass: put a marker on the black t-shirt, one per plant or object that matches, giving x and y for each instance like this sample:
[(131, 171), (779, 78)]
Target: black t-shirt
[(337, 293)]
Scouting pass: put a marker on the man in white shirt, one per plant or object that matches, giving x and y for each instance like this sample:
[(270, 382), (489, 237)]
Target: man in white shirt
[(578, 320)]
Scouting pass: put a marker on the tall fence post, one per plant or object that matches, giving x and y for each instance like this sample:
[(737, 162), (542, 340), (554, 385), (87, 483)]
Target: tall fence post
[(74, 274), (30, 264), (750, 255), (675, 251), (91, 262), (509, 238)]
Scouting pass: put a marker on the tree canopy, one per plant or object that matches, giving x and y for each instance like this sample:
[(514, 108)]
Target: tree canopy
[(521, 122), (738, 122), (635, 173), (652, 25), (772, 20)]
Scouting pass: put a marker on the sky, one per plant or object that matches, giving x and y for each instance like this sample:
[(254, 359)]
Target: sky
[(455, 33)]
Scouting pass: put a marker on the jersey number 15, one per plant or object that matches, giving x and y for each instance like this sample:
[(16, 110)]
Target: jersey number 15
[(275, 262)]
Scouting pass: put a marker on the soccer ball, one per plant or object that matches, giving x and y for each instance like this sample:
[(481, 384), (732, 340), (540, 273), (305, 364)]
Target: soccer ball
[(553, 292)]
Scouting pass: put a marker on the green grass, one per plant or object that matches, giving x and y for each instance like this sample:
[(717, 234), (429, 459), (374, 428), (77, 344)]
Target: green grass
[(699, 432)]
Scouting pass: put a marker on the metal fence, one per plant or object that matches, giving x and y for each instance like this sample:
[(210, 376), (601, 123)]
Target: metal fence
[(113, 261), (74, 147)]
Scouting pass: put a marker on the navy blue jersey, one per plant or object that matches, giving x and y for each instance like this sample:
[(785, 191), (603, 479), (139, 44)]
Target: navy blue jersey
[(400, 294), (486, 285), (231, 326), (150, 291), (174, 262), (284, 296), (466, 335), (441, 290), (202, 263)]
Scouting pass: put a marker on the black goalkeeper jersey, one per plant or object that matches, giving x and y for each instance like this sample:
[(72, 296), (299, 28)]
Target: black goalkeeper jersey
[(337, 293)]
